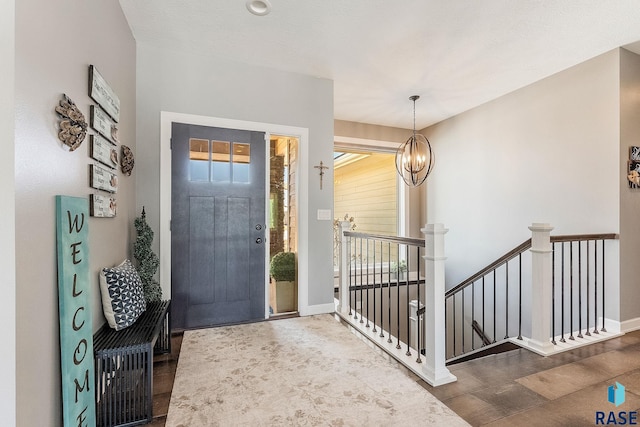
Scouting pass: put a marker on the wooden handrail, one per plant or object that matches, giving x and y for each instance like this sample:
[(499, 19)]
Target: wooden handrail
[(523, 247), (583, 237), (392, 239)]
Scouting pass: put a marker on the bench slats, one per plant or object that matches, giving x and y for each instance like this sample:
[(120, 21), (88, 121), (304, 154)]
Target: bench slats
[(124, 367)]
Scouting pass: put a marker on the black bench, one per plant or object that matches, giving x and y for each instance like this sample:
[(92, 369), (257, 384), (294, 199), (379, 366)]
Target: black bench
[(124, 367)]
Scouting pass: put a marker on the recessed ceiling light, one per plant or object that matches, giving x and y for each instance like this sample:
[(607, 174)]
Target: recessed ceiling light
[(259, 7)]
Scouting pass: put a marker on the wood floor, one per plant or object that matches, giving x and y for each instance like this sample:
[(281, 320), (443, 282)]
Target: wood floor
[(164, 371), (508, 389), (521, 388)]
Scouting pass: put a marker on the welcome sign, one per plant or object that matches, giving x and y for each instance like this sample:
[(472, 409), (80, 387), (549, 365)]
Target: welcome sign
[(76, 339)]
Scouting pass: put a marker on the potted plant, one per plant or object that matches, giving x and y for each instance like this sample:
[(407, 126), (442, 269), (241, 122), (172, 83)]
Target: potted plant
[(283, 295), (399, 270)]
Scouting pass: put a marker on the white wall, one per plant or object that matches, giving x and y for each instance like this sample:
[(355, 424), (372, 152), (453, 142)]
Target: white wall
[(7, 216), (207, 86), (546, 153), (55, 43)]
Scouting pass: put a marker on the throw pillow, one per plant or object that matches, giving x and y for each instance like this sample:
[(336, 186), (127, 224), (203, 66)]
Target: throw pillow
[(122, 295)]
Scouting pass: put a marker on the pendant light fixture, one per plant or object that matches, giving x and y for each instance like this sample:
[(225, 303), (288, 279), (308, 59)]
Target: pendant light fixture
[(414, 158)]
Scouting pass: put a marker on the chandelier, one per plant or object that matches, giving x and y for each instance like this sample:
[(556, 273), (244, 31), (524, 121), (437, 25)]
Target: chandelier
[(414, 158)]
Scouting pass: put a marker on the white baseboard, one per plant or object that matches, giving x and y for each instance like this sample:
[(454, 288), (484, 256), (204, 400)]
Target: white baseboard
[(311, 310), (629, 325)]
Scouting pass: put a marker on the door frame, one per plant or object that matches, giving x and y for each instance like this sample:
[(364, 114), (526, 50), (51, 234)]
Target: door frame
[(302, 185)]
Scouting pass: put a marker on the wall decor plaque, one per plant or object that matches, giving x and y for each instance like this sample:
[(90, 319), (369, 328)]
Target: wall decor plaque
[(102, 206), (101, 122), (101, 92), (103, 179), (73, 127), (103, 151), (76, 331)]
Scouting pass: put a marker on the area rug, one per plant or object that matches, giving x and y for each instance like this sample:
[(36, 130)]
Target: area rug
[(307, 371)]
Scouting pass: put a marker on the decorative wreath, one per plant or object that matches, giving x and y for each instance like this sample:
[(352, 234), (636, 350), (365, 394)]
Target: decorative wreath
[(73, 127), (126, 160)]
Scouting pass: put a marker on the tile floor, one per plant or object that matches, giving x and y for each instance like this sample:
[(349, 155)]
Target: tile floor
[(516, 388), (520, 388)]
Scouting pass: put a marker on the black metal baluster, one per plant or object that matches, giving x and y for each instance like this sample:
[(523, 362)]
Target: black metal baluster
[(588, 333), (553, 293), (473, 314), (562, 297), (453, 298), (419, 349), (374, 330), (398, 346), (381, 291), (361, 299), (603, 292), (595, 287), (484, 308), (408, 353), (494, 305), (520, 296), (389, 292), (580, 289), (506, 300), (571, 291), (351, 290), (462, 322), (367, 324)]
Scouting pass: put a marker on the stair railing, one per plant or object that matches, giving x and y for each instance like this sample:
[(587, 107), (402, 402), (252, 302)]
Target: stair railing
[(471, 307), (547, 290), (579, 288), (383, 295)]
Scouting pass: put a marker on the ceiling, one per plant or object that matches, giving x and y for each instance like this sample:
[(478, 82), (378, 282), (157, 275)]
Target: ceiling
[(455, 54)]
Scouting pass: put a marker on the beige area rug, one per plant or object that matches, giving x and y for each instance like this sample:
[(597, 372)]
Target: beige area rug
[(307, 371)]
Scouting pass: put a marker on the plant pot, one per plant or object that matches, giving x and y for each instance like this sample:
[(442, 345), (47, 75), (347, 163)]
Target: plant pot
[(403, 275), (283, 296)]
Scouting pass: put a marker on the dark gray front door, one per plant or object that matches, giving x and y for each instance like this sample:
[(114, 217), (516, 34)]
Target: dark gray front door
[(217, 226)]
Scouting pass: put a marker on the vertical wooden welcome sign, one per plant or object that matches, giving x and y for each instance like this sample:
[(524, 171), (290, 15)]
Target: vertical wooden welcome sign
[(76, 332)]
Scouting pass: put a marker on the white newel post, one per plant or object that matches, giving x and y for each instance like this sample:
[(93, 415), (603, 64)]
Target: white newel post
[(343, 269), (541, 276), (434, 368)]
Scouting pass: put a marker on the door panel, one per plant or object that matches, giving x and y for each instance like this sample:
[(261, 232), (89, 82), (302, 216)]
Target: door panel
[(218, 223)]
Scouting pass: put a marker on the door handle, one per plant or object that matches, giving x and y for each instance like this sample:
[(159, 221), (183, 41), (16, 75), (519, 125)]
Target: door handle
[(259, 240), (258, 227)]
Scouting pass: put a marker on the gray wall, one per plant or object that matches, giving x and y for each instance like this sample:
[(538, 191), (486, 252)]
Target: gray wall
[(55, 43), (207, 86), (549, 152), (629, 198), (368, 131), (7, 215)]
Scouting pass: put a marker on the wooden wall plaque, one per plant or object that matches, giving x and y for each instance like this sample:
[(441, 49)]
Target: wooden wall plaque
[(101, 92), (76, 330), (103, 179)]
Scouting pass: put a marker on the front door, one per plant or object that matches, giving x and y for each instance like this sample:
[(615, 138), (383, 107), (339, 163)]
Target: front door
[(217, 226)]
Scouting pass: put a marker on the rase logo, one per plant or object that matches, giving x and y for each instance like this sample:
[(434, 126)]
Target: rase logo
[(616, 396)]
